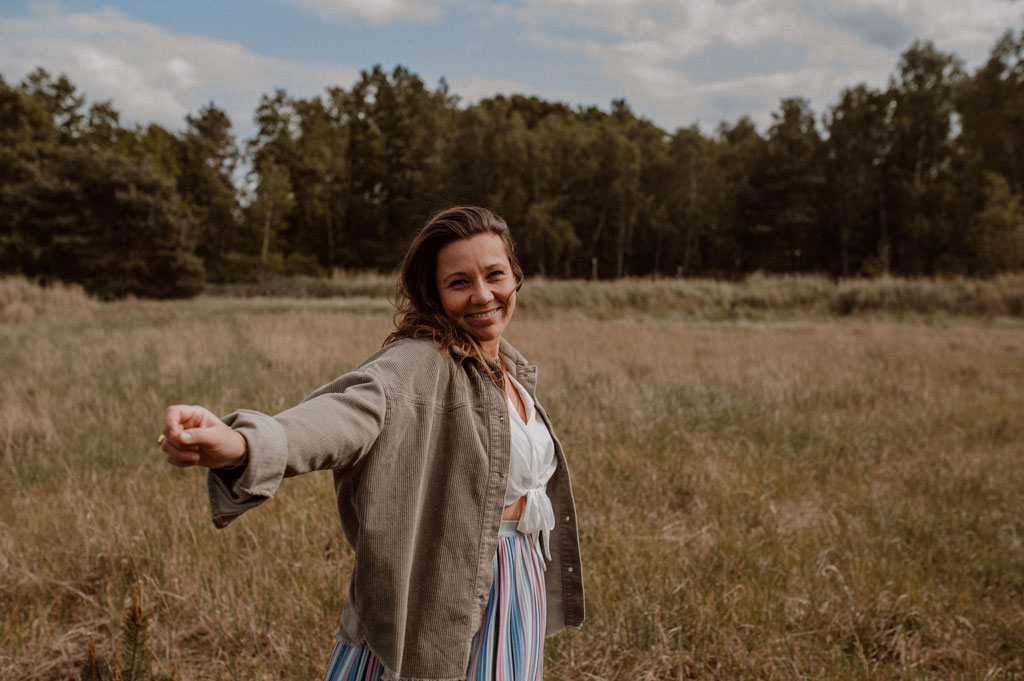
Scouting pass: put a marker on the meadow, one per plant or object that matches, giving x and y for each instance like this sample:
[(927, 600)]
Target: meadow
[(771, 483)]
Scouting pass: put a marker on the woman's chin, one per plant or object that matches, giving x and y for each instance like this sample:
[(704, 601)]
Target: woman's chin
[(489, 340), (485, 333)]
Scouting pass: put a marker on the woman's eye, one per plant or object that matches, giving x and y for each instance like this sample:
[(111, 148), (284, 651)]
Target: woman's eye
[(495, 274)]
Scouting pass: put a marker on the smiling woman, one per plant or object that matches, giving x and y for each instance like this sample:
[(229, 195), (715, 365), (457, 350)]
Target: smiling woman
[(452, 488), (459, 282), (478, 288)]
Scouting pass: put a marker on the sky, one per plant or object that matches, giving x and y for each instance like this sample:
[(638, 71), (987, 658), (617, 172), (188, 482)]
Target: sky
[(676, 62)]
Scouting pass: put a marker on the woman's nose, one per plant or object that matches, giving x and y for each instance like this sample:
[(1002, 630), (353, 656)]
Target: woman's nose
[(481, 293)]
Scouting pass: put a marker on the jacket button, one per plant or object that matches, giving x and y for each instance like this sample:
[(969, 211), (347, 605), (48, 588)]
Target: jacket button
[(569, 569), (566, 518)]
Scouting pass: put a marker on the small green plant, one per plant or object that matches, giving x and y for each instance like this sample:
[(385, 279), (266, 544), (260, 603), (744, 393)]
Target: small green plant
[(133, 663)]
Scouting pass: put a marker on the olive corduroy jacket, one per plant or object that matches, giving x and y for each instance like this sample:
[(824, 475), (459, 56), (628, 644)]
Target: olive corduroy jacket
[(419, 445)]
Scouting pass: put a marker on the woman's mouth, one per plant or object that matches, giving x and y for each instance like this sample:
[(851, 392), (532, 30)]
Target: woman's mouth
[(484, 315)]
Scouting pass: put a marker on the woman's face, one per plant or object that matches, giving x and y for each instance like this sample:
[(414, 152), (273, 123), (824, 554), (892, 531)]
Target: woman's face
[(477, 287)]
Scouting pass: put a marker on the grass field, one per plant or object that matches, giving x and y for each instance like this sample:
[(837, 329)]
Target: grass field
[(799, 496)]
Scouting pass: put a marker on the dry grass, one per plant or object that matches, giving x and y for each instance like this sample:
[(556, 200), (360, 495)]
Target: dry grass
[(21, 301), (795, 499), (761, 297), (757, 297)]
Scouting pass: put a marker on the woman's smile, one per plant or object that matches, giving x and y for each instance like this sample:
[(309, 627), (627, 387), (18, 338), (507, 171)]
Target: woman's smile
[(484, 315), (477, 287)]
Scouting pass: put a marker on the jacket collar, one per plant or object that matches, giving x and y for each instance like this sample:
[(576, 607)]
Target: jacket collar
[(523, 371)]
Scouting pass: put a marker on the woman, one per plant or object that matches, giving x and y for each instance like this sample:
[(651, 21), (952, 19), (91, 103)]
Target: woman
[(451, 486)]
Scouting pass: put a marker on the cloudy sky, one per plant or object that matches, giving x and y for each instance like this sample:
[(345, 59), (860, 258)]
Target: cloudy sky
[(677, 62)]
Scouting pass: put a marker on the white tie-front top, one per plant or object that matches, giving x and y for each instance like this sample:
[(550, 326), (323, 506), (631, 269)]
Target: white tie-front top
[(531, 464)]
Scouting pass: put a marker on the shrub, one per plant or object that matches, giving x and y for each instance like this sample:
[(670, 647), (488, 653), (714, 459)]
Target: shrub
[(94, 218), (247, 268)]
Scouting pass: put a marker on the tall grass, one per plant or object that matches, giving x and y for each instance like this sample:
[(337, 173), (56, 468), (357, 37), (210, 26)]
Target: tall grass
[(761, 297), (823, 498), (754, 298), (22, 301)]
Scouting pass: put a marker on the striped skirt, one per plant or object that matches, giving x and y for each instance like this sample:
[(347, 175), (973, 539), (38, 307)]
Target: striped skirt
[(510, 643)]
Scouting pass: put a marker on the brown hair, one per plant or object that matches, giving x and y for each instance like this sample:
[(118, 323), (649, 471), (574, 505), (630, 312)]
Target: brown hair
[(418, 309)]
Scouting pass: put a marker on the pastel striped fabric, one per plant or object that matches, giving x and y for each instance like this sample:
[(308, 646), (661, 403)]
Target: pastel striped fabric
[(353, 663), (510, 643)]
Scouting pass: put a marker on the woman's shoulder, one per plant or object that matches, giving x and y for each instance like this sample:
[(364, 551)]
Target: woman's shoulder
[(403, 367), (404, 360)]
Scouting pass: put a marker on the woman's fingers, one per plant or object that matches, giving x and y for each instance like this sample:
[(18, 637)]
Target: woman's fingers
[(175, 440), (180, 422), (204, 437), (169, 445), (179, 454), (193, 435), (183, 459), (173, 419), (179, 417)]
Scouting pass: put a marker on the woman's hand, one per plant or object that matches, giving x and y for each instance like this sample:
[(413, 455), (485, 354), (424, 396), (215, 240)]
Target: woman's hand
[(194, 436)]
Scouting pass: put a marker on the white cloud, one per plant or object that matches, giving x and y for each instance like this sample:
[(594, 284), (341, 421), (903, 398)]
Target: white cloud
[(967, 28), (643, 45), (150, 74), (376, 12), (663, 56), (183, 72), (472, 89), (650, 40)]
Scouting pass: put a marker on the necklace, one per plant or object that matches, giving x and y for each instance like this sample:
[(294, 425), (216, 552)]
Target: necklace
[(512, 394)]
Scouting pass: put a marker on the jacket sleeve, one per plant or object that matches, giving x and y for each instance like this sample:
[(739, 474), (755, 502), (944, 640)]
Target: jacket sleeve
[(332, 428)]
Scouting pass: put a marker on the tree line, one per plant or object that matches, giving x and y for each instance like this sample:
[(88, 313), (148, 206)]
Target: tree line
[(922, 178)]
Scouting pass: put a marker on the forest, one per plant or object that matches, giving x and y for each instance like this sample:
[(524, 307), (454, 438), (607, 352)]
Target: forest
[(923, 178)]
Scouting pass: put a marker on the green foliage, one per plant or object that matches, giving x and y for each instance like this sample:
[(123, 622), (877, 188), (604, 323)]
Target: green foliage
[(999, 228), (206, 157), (116, 228), (274, 202), (789, 176), (245, 268), (922, 190), (103, 127), (893, 182), (396, 129), (61, 99), (27, 135), (991, 107), (855, 154)]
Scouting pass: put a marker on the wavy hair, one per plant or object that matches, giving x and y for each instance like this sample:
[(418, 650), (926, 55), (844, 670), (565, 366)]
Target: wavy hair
[(418, 309)]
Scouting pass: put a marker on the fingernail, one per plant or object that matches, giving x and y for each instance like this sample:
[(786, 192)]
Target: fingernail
[(186, 437)]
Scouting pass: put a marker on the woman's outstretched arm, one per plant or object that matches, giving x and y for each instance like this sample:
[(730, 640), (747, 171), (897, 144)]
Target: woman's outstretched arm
[(248, 453)]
